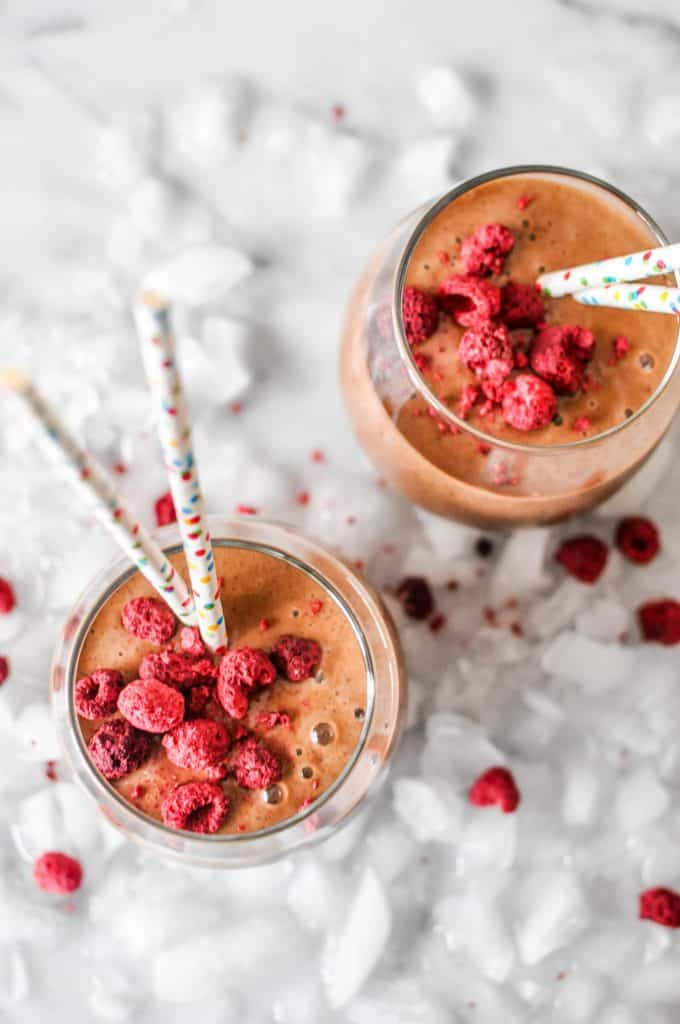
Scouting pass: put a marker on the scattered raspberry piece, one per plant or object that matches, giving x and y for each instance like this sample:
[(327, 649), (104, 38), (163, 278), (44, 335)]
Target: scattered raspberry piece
[(484, 251), (96, 695), (199, 745), (7, 596), (270, 719), (147, 618), (661, 906), (175, 669), (263, 625), (495, 786), (164, 508), (638, 539), (420, 314), (51, 771), (196, 807), (241, 671), (302, 498), (4, 669), (559, 355), (117, 748), (660, 621), (191, 643), (582, 424), (416, 597), (254, 765), (316, 606), (528, 403), (523, 202), (468, 396), (296, 657), (196, 699), (521, 305), (151, 705), (468, 300), (487, 351), (437, 622), (620, 348), (246, 510), (57, 872), (583, 557)]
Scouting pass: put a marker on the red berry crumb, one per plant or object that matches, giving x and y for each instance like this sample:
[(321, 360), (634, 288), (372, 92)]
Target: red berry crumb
[(661, 906), (582, 424), (420, 314), (7, 596), (263, 625), (96, 695), (338, 111), (51, 771), (660, 621), (437, 622), (147, 618), (199, 745), (583, 557), (57, 872), (296, 657), (620, 348), (495, 786), (416, 598), (638, 539), (164, 509), (270, 719), (117, 748), (302, 498), (191, 643), (240, 672), (521, 305), (196, 807), (4, 669), (559, 355), (484, 251), (317, 455), (254, 765), (528, 402), (315, 606), (468, 396), (487, 350), (523, 202), (151, 705), (468, 300), (246, 510)]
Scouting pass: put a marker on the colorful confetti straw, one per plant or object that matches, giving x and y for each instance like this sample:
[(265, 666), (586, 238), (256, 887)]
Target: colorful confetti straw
[(633, 267), (650, 297)]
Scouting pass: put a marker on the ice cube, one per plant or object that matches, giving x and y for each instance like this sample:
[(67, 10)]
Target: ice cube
[(14, 979), (316, 895), (24, 919), (471, 921), (432, 810), (640, 799), (59, 817), (211, 377), (488, 839), (457, 748), (447, 97), (300, 1002), (112, 995), (661, 865), (582, 790), (550, 614), (617, 1013), (556, 913), (212, 118), (657, 982), (124, 150), (658, 119), (635, 494), (398, 1001), (390, 849), (578, 997), (450, 540), (341, 843), (595, 666), (200, 274), (605, 619), (339, 168), (37, 732), (425, 166), (154, 207), (352, 952), (520, 570)]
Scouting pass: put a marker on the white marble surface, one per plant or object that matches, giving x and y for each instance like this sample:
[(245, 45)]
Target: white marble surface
[(115, 155)]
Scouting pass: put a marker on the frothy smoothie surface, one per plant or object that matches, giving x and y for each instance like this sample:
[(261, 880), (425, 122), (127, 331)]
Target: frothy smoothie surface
[(226, 744), (583, 369)]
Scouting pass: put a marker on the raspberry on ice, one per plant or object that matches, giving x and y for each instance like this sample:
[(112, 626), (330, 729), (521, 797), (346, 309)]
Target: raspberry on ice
[(583, 557), (638, 539), (57, 872), (416, 598), (660, 621), (495, 786), (661, 906)]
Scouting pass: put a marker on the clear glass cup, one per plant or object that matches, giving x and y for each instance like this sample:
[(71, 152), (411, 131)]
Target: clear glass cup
[(366, 769), (523, 484)]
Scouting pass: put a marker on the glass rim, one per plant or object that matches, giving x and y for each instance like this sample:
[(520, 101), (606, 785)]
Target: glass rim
[(418, 381), (118, 570)]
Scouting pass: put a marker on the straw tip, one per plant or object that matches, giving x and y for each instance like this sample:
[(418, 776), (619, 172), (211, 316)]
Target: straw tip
[(14, 379), (153, 300)]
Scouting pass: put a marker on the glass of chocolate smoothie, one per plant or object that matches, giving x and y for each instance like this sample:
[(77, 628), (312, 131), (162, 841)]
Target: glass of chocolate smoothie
[(235, 759), (478, 398)]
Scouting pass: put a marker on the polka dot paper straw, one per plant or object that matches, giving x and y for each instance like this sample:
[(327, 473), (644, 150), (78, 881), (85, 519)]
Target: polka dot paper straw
[(93, 483), (633, 267), (651, 297), (152, 317)]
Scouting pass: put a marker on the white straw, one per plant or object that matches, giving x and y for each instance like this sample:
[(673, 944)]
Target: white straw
[(651, 298), (633, 267)]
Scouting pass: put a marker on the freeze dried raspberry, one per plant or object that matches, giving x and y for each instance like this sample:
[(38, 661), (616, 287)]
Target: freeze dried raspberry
[(638, 539), (620, 348), (420, 314), (254, 765), (487, 351), (175, 669), (521, 305), (468, 300), (583, 557), (241, 671), (191, 643), (660, 621), (199, 745), (416, 597), (528, 402), (117, 748), (196, 699), (484, 251), (559, 355), (296, 657), (57, 872), (196, 807), (4, 669), (7, 596), (151, 705), (661, 906), (270, 719), (96, 695), (468, 396), (164, 507), (582, 424), (147, 618), (495, 786)]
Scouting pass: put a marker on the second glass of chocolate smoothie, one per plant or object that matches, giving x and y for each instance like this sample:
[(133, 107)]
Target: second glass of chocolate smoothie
[(441, 436)]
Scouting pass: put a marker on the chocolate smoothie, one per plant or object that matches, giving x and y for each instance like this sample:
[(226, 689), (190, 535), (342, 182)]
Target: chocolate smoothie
[(531, 223), (309, 728)]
